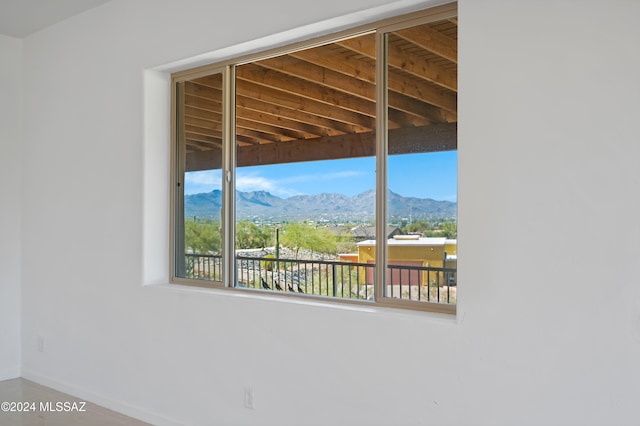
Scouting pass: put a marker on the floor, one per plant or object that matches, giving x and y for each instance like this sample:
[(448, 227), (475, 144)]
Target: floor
[(48, 407)]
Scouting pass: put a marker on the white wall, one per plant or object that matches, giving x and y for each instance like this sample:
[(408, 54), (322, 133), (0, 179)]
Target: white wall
[(548, 330), (10, 207)]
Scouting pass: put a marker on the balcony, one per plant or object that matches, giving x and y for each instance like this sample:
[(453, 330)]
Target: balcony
[(335, 279)]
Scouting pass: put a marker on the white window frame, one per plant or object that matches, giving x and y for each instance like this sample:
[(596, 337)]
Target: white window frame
[(227, 69)]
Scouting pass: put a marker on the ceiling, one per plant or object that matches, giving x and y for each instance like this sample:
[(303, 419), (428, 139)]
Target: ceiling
[(320, 103), (21, 18)]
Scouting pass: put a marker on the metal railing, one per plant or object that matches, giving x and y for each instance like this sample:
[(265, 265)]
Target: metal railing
[(344, 280), (203, 266)]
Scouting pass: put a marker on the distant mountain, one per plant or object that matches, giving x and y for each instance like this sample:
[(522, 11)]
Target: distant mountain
[(204, 205), (264, 206)]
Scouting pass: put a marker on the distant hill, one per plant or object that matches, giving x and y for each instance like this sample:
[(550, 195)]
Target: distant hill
[(264, 206)]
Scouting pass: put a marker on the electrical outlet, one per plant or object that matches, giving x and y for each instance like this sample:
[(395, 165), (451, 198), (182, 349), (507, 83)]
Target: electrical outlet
[(249, 398), (40, 343)]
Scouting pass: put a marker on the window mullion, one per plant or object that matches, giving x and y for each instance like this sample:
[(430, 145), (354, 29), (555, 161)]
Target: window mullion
[(381, 165), (178, 262), (228, 175)]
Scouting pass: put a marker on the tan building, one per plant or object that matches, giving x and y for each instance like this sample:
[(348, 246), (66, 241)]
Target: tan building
[(414, 251)]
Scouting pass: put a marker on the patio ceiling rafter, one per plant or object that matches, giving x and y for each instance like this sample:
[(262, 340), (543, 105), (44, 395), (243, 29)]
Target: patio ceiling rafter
[(321, 101)]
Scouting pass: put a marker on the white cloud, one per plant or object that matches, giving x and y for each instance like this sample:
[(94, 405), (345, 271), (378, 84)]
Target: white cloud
[(282, 187), (204, 177), (323, 176), (202, 181), (254, 183), (286, 186)]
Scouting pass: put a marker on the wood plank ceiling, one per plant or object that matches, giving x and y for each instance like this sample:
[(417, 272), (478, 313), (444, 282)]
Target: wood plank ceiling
[(319, 103)]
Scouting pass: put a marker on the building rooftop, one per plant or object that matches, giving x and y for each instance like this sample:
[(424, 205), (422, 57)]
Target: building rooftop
[(411, 240)]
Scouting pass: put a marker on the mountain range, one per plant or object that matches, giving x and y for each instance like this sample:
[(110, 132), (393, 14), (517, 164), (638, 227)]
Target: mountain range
[(264, 206)]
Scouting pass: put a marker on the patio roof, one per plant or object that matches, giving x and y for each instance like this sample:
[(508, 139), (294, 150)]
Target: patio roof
[(319, 103)]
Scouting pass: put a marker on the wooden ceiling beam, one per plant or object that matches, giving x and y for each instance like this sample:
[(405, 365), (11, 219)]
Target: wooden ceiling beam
[(413, 64), (253, 130), (327, 58), (407, 140), (205, 114), (247, 140), (304, 130), (324, 76), (422, 68), (204, 128), (432, 40), (248, 89), (199, 145), (329, 127), (419, 110), (202, 124), (347, 84), (202, 103), (203, 97), (299, 87), (215, 137), (212, 94), (277, 97), (264, 123), (274, 133), (211, 140), (421, 90), (243, 127)]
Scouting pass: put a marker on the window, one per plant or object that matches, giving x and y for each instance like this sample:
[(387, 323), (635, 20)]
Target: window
[(326, 170), (198, 179)]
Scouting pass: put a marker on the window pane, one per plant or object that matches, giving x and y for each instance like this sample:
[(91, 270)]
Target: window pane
[(422, 163), (305, 177), (199, 179)]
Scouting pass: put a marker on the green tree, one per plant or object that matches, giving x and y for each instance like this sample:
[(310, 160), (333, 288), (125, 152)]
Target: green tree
[(346, 242), (421, 226), (450, 230), (249, 235), (304, 236), (202, 237)]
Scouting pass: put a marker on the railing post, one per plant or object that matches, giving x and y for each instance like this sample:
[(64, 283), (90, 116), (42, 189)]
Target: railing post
[(335, 278)]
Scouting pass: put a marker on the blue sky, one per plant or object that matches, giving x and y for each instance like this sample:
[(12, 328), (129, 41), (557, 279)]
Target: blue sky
[(429, 175)]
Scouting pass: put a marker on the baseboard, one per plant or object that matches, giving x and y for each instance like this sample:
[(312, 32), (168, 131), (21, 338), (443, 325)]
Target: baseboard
[(10, 373), (96, 398)]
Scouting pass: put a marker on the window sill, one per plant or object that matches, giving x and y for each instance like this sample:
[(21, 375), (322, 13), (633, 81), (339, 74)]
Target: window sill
[(326, 303)]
